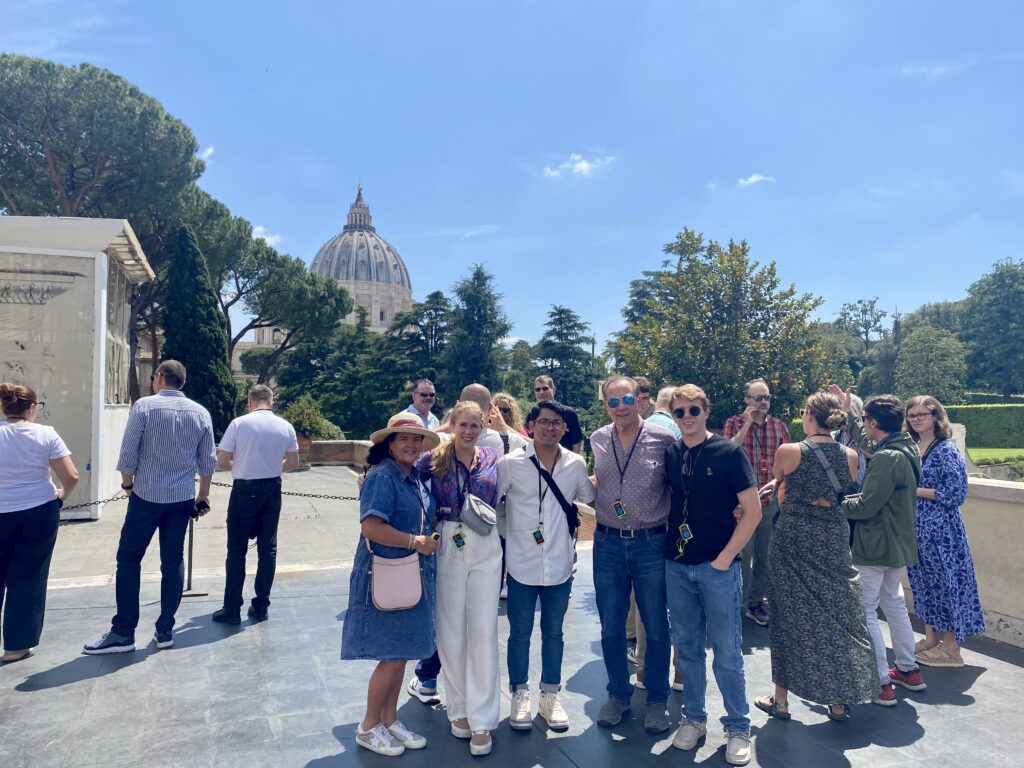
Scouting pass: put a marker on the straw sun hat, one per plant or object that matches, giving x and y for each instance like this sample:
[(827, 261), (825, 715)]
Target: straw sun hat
[(406, 423)]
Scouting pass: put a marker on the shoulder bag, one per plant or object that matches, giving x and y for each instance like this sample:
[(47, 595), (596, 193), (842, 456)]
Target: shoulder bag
[(396, 584), (475, 513), (572, 512)]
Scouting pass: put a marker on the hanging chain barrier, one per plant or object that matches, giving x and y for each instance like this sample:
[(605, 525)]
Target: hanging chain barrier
[(120, 496)]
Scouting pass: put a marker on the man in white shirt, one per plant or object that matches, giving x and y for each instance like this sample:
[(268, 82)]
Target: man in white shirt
[(423, 398), (257, 448), (539, 542)]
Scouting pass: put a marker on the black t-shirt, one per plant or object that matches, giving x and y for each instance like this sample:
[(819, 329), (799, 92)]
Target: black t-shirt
[(721, 471), (573, 433)]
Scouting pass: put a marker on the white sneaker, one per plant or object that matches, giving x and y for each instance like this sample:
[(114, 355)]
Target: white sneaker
[(425, 692), (551, 710), (406, 737), (379, 739), (689, 733), (480, 744), (737, 749), (521, 718)]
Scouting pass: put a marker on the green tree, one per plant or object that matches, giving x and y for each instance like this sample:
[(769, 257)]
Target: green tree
[(878, 377), (863, 318), (565, 353), (993, 328), (194, 332), (714, 317), (518, 378), (932, 362), (81, 141), (422, 332), (944, 315), (478, 325)]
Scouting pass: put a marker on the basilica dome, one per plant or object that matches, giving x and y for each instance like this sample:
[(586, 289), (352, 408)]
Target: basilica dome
[(367, 266)]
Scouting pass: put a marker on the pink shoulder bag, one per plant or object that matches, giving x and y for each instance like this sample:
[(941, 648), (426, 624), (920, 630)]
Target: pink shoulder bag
[(396, 584)]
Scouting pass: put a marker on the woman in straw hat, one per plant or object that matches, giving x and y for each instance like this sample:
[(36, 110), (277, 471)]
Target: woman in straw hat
[(397, 516)]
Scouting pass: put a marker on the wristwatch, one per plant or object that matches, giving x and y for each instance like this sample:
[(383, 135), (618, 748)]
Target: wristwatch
[(127, 487)]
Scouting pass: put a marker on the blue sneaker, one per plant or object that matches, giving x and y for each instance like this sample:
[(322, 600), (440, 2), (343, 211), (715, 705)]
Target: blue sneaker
[(111, 642), (424, 690), (758, 614)]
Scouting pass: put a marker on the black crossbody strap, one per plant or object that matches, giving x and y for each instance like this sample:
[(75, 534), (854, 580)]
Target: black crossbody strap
[(572, 515)]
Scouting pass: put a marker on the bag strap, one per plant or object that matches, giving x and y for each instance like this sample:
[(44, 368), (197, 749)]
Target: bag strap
[(836, 485), (504, 441), (572, 515)]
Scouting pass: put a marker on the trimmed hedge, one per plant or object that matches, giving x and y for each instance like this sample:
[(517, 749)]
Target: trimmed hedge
[(991, 426), (988, 398), (988, 426)]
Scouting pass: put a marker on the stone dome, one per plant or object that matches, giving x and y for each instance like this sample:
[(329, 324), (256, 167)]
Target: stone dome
[(359, 254)]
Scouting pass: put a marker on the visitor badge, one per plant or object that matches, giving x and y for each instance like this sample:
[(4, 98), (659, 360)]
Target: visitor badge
[(538, 535), (620, 511)]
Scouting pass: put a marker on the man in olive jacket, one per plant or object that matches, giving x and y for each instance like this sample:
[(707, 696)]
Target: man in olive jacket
[(884, 538)]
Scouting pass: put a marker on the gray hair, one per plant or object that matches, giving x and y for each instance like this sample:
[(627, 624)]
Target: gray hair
[(664, 397), (261, 393)]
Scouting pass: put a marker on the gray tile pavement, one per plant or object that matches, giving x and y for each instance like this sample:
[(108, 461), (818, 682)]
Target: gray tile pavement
[(276, 693)]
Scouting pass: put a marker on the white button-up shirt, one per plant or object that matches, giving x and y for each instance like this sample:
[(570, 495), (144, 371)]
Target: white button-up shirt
[(530, 505)]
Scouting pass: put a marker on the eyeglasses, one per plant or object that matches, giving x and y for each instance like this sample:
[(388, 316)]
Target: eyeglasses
[(760, 398), (693, 410), (545, 423), (916, 416), (427, 395), (628, 400), (40, 404), (153, 377), (504, 409), (542, 389)]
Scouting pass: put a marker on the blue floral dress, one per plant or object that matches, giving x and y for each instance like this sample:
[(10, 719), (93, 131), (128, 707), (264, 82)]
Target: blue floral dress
[(400, 500), (943, 582)]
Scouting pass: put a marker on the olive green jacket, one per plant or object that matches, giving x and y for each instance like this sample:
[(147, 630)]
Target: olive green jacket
[(884, 510)]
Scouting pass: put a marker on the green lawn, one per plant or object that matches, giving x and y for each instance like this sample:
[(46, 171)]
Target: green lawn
[(995, 453)]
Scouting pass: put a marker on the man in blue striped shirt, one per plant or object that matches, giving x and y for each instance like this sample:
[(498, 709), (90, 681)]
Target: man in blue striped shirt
[(167, 439)]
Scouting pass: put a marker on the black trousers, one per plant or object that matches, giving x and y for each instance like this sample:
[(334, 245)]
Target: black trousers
[(27, 539), (145, 518), (254, 510)]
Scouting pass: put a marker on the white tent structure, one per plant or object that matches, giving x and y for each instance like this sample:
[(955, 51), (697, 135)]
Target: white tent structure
[(65, 290)]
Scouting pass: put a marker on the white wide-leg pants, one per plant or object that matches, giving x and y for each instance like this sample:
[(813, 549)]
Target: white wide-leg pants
[(883, 586), (466, 622)]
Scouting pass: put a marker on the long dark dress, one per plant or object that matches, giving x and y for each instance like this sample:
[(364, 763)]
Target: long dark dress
[(821, 649)]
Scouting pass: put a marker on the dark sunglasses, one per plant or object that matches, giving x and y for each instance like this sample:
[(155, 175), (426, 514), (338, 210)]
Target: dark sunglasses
[(427, 394), (693, 410), (761, 398), (541, 389), (627, 400), (504, 409)]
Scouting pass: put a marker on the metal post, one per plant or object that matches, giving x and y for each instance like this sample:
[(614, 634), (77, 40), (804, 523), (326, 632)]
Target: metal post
[(188, 579)]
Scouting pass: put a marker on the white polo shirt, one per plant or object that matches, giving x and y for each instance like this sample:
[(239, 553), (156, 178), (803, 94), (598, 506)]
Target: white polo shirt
[(259, 440), (529, 504), (27, 450)]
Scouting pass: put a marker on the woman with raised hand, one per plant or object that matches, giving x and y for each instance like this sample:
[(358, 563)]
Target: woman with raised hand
[(468, 576), (821, 648), (943, 582), (396, 517), (508, 407), (29, 515)]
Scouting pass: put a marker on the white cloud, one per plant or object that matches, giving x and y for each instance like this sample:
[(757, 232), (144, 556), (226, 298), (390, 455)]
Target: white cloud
[(259, 231), (577, 165), (206, 154), (755, 178), (938, 71)]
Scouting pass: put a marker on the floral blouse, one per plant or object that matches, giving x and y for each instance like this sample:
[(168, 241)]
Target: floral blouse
[(482, 482)]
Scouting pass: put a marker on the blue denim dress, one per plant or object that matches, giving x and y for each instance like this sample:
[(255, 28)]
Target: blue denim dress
[(368, 633)]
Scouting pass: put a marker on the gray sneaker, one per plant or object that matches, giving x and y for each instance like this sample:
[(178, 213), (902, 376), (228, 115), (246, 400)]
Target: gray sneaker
[(689, 733), (612, 711), (111, 642), (737, 748), (656, 720)]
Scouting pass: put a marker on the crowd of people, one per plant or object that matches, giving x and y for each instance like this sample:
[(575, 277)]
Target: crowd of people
[(694, 531)]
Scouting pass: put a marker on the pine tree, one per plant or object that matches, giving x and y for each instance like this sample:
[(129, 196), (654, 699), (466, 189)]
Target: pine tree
[(194, 332)]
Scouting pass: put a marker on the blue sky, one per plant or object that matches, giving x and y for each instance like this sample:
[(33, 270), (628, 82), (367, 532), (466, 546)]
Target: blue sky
[(870, 148)]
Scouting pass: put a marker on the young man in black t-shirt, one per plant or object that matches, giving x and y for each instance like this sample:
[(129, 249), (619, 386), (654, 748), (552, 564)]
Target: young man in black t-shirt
[(708, 476), (544, 392)]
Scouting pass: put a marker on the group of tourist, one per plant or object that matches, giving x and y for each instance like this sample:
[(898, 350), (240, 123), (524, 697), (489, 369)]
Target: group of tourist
[(457, 514)]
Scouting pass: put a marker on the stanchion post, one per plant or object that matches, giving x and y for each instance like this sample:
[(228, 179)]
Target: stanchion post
[(188, 580)]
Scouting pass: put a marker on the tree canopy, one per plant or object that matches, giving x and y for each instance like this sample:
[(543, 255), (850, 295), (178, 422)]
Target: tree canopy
[(993, 327), (931, 362)]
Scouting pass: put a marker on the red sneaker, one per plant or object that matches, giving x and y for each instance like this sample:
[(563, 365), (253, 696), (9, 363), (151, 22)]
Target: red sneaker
[(912, 681), (887, 696)]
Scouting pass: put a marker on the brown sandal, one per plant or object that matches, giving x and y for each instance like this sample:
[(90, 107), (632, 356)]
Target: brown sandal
[(12, 656)]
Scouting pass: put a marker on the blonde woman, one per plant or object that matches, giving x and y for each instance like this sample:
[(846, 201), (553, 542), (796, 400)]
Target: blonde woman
[(508, 406), (468, 573)]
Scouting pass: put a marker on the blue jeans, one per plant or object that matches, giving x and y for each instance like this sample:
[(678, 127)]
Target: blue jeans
[(619, 565), (520, 607), (705, 605), (143, 519)]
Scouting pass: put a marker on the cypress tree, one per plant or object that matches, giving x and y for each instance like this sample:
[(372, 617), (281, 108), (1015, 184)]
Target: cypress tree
[(194, 333)]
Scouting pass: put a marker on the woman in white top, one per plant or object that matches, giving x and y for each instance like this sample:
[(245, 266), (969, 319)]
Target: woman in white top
[(29, 514)]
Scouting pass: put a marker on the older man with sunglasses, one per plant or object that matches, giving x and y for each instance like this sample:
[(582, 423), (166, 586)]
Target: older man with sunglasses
[(760, 434), (423, 398), (708, 475), (632, 518)]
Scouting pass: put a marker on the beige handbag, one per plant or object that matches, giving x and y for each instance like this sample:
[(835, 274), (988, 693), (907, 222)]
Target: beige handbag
[(396, 584)]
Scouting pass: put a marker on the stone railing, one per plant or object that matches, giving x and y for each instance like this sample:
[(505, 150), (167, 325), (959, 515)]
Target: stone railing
[(332, 453)]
